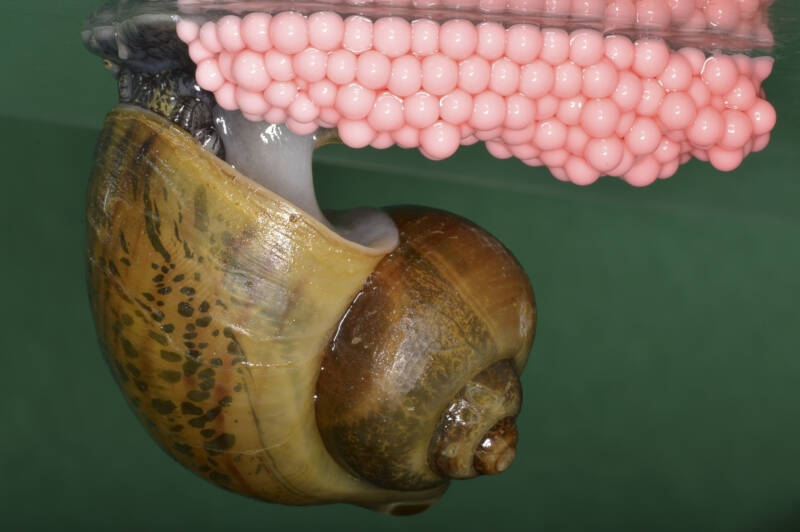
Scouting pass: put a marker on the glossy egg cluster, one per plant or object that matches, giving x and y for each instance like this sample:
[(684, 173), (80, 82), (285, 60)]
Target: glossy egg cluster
[(582, 104), (713, 18)]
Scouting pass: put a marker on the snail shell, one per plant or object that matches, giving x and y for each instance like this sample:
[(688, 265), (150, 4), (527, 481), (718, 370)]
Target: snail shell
[(275, 358)]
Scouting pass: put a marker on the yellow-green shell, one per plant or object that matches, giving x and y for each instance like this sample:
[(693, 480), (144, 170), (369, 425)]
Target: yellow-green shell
[(214, 300)]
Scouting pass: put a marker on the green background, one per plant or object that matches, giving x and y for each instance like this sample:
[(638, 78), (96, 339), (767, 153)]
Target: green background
[(663, 390)]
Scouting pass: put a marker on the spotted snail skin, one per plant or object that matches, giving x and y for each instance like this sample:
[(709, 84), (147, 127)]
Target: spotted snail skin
[(277, 359)]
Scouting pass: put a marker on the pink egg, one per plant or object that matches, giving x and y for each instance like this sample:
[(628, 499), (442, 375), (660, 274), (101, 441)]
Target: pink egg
[(546, 107), (742, 96), (255, 31), (576, 140), (682, 10), (523, 43), (474, 74), (373, 70), (225, 61), (677, 111), (498, 150), (604, 154), (355, 133), (669, 169), (762, 68), (278, 65), (281, 93), (250, 72), (707, 128), (569, 110), (600, 80), (763, 117), (667, 151), (725, 160), (579, 172), (514, 137), (761, 142), (276, 115), (488, 134), (303, 110), (568, 80), (550, 135), (555, 46), (650, 57), (439, 140), (652, 96), (738, 130), (520, 112), (301, 128), (392, 36), (208, 75), (644, 172), (325, 30), (456, 107), (628, 92), (620, 50), (488, 111), (524, 151), (491, 43), (354, 101), (720, 74), (695, 57), (586, 47), (329, 117), (504, 77), (208, 37), (458, 39), (625, 122), (229, 33), (342, 67), (624, 165), (187, 30), (357, 34), (198, 52), (600, 117), (421, 110), (536, 79), (620, 14), (439, 74), (677, 75), (652, 14), (643, 137), (311, 64), (382, 141), (558, 172), (555, 158), (424, 37), (722, 15), (406, 137), (386, 113), (323, 93), (225, 97), (699, 93), (289, 32), (406, 76)]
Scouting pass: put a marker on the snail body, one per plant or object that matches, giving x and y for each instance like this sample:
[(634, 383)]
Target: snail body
[(272, 356)]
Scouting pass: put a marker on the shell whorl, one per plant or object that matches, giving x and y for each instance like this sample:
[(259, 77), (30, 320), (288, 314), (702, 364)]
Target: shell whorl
[(426, 360)]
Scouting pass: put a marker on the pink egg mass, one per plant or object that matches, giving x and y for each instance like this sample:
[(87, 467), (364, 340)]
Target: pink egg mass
[(581, 103)]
